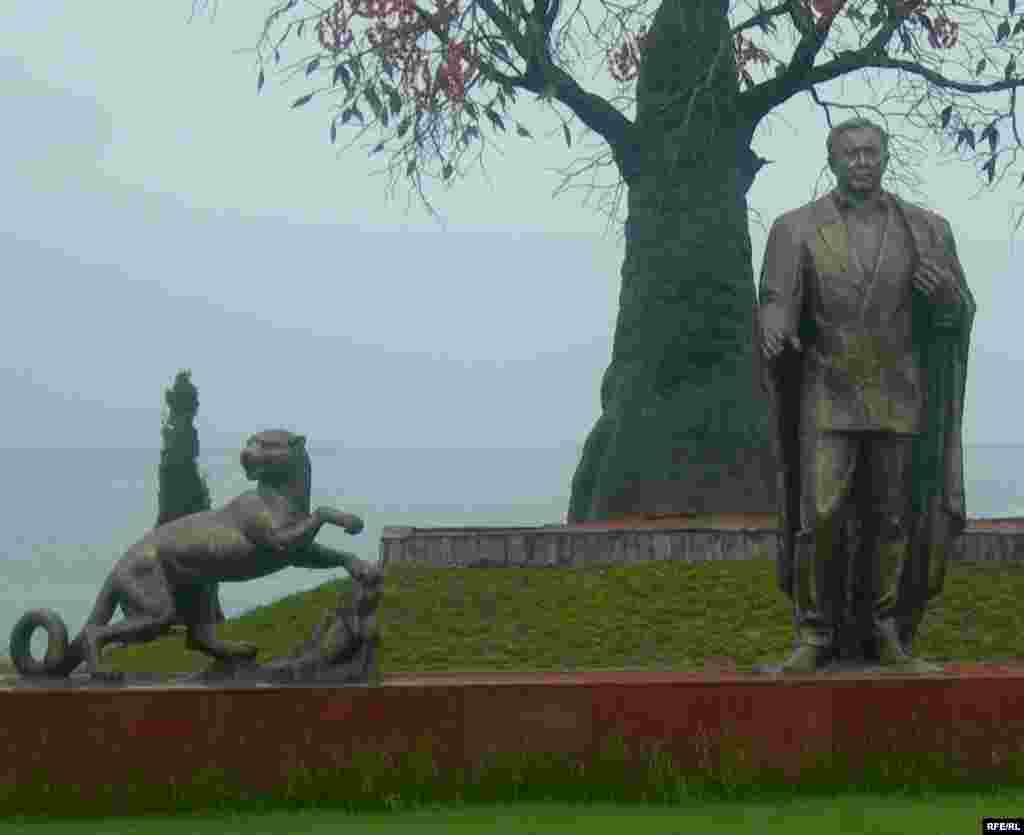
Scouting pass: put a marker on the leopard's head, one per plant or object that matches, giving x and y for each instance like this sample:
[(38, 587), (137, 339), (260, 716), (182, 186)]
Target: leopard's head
[(278, 458)]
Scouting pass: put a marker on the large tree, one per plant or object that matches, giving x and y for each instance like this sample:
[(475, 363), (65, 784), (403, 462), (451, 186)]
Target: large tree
[(683, 426)]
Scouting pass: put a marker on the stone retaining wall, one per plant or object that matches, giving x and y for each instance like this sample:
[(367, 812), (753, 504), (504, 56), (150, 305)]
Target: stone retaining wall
[(566, 546), (87, 742)]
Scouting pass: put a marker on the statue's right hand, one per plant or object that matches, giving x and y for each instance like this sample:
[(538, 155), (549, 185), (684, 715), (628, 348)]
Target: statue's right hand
[(773, 334), (775, 340)]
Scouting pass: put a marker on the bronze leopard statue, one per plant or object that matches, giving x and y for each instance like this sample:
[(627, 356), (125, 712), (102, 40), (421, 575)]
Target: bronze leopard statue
[(167, 577)]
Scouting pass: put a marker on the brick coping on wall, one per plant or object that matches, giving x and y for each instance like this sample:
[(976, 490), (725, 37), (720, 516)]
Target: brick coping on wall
[(690, 539)]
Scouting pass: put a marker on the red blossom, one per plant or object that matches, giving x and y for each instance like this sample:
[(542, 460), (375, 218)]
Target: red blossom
[(393, 34), (332, 29), (908, 7), (624, 62), (747, 51), (943, 33)]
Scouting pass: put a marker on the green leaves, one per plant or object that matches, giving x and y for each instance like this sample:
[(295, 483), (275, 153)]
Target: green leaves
[(499, 49), (496, 120), (978, 70), (991, 133), (447, 171), (764, 23), (990, 169), (302, 100), (905, 40), (341, 72), (259, 81), (1003, 31), (334, 130), (965, 135), (568, 135), (350, 112), (312, 66), (947, 113), (394, 99), (376, 105), (1011, 67), (523, 131)]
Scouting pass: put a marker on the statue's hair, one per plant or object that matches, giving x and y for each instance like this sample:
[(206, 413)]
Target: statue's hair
[(855, 124)]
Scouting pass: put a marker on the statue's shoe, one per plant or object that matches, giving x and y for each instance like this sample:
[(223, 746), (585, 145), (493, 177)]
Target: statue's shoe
[(805, 659), (910, 665), (106, 675), (893, 657)]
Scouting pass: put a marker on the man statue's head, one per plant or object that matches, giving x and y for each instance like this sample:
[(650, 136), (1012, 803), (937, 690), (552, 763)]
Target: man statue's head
[(858, 152)]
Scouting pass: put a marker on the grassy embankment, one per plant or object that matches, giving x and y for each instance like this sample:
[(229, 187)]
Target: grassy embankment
[(654, 615)]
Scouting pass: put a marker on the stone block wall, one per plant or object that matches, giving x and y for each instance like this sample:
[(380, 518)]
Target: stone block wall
[(569, 546)]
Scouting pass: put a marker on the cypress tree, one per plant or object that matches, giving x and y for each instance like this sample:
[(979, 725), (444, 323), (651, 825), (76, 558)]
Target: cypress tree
[(183, 489)]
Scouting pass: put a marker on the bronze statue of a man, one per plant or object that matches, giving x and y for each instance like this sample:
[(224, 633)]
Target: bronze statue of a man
[(864, 326)]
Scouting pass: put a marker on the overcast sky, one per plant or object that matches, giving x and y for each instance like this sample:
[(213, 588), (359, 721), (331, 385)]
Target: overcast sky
[(157, 214)]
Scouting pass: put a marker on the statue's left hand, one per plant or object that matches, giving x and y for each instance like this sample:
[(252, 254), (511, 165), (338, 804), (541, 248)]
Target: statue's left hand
[(935, 280)]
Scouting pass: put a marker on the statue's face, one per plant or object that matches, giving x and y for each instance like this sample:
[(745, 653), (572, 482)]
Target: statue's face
[(858, 161)]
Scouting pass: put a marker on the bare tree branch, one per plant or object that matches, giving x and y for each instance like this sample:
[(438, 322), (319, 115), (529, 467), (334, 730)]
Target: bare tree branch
[(545, 79), (913, 68), (763, 18)]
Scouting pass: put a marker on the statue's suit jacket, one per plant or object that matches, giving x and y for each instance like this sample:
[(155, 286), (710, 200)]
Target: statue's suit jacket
[(861, 369), (877, 355)]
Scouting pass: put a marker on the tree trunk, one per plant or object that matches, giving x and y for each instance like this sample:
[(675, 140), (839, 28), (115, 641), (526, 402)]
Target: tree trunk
[(684, 425)]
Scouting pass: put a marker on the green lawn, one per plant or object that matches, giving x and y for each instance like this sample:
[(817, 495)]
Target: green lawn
[(648, 615), (853, 814)]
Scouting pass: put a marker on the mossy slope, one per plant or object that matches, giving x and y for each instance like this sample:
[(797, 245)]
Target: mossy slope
[(651, 615)]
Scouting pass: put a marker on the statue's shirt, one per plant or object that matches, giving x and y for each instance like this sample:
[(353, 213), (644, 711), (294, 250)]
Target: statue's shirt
[(844, 277)]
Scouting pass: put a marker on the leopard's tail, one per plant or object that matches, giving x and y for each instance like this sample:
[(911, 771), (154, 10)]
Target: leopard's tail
[(62, 656)]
